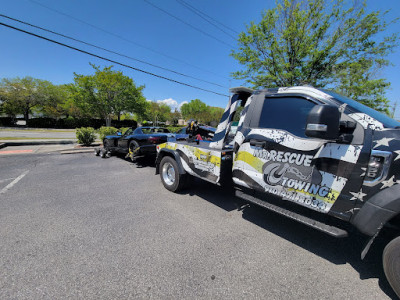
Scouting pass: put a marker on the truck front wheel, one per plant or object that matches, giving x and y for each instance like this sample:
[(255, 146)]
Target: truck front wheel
[(391, 264), (169, 173)]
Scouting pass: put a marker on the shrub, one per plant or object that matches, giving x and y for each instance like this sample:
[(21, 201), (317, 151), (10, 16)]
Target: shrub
[(85, 135), (104, 131)]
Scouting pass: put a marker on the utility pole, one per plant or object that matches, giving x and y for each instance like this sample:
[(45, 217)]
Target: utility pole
[(392, 115)]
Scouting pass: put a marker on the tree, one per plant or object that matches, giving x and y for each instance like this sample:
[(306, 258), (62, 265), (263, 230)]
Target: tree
[(21, 95), (215, 114), (107, 93), (198, 110), (57, 101), (158, 112), (175, 116), (324, 44), (195, 109)]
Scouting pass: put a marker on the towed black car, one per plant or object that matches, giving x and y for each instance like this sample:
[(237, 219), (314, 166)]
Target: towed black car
[(139, 141)]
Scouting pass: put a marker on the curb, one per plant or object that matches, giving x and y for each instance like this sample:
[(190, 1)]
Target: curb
[(23, 143)]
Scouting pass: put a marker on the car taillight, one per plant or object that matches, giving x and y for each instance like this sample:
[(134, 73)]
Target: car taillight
[(154, 139)]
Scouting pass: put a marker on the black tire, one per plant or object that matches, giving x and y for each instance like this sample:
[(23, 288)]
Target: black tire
[(133, 146), (169, 173), (391, 264)]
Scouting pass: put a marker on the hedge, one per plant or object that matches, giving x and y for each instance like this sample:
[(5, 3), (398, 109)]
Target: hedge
[(7, 121), (72, 123)]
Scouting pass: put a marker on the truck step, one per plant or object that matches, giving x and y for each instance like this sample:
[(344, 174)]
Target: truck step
[(331, 230)]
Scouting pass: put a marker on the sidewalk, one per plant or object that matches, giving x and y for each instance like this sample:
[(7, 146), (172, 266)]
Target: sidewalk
[(65, 146), (24, 139), (23, 142)]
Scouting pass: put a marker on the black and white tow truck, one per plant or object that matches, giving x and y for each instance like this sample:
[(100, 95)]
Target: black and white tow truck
[(302, 149)]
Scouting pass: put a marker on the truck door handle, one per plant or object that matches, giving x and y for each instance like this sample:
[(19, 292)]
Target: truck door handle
[(260, 144)]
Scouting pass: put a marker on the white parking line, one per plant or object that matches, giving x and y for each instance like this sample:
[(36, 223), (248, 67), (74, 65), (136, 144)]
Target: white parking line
[(14, 182)]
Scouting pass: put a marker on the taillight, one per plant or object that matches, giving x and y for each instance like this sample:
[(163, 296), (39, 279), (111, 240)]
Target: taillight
[(155, 139)]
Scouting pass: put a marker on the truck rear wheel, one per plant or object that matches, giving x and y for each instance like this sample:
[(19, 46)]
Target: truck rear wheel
[(169, 173), (391, 264)]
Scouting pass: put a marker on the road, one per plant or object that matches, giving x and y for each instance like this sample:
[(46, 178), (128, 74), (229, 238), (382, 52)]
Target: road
[(81, 227)]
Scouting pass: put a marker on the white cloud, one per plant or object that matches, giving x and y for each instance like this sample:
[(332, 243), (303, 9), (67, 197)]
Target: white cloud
[(173, 104), (170, 102)]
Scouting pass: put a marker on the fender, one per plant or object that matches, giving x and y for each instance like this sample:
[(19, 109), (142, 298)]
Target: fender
[(379, 209), (169, 152)]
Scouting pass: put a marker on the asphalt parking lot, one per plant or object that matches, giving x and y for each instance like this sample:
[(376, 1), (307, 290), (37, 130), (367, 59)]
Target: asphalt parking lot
[(81, 227)]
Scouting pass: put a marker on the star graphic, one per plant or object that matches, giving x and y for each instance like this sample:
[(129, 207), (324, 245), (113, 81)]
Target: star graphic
[(383, 142), (364, 170), (388, 183), (398, 154), (360, 195)]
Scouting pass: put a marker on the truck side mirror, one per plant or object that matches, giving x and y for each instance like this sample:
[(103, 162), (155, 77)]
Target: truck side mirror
[(323, 122)]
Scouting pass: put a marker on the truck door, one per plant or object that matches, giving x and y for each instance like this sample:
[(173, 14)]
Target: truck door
[(276, 157)]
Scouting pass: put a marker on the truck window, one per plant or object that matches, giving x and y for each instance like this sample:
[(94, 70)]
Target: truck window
[(287, 113)]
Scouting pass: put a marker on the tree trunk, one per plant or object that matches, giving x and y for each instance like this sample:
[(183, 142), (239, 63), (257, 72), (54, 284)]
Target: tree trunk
[(108, 121), (26, 116), (119, 116)]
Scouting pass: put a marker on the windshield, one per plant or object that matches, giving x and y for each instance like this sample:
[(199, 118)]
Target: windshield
[(358, 107)]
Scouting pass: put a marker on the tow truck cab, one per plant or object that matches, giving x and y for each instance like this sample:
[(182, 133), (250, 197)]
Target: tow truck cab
[(307, 147)]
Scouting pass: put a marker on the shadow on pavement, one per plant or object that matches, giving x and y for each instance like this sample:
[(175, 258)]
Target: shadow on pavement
[(138, 162), (338, 251)]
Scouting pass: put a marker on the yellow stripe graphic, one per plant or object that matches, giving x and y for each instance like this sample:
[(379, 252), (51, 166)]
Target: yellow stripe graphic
[(249, 159)]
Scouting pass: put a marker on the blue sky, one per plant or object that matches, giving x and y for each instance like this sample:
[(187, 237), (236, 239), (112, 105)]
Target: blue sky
[(145, 33)]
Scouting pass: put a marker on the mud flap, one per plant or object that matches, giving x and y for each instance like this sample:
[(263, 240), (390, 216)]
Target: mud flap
[(369, 243)]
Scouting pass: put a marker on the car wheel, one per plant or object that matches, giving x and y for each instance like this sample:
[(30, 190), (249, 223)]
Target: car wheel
[(169, 173), (133, 147), (391, 264)]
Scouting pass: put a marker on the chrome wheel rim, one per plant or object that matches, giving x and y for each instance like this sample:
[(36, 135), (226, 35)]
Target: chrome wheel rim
[(168, 173)]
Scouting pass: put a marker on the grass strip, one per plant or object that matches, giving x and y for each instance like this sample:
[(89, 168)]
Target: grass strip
[(32, 138), (39, 130)]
